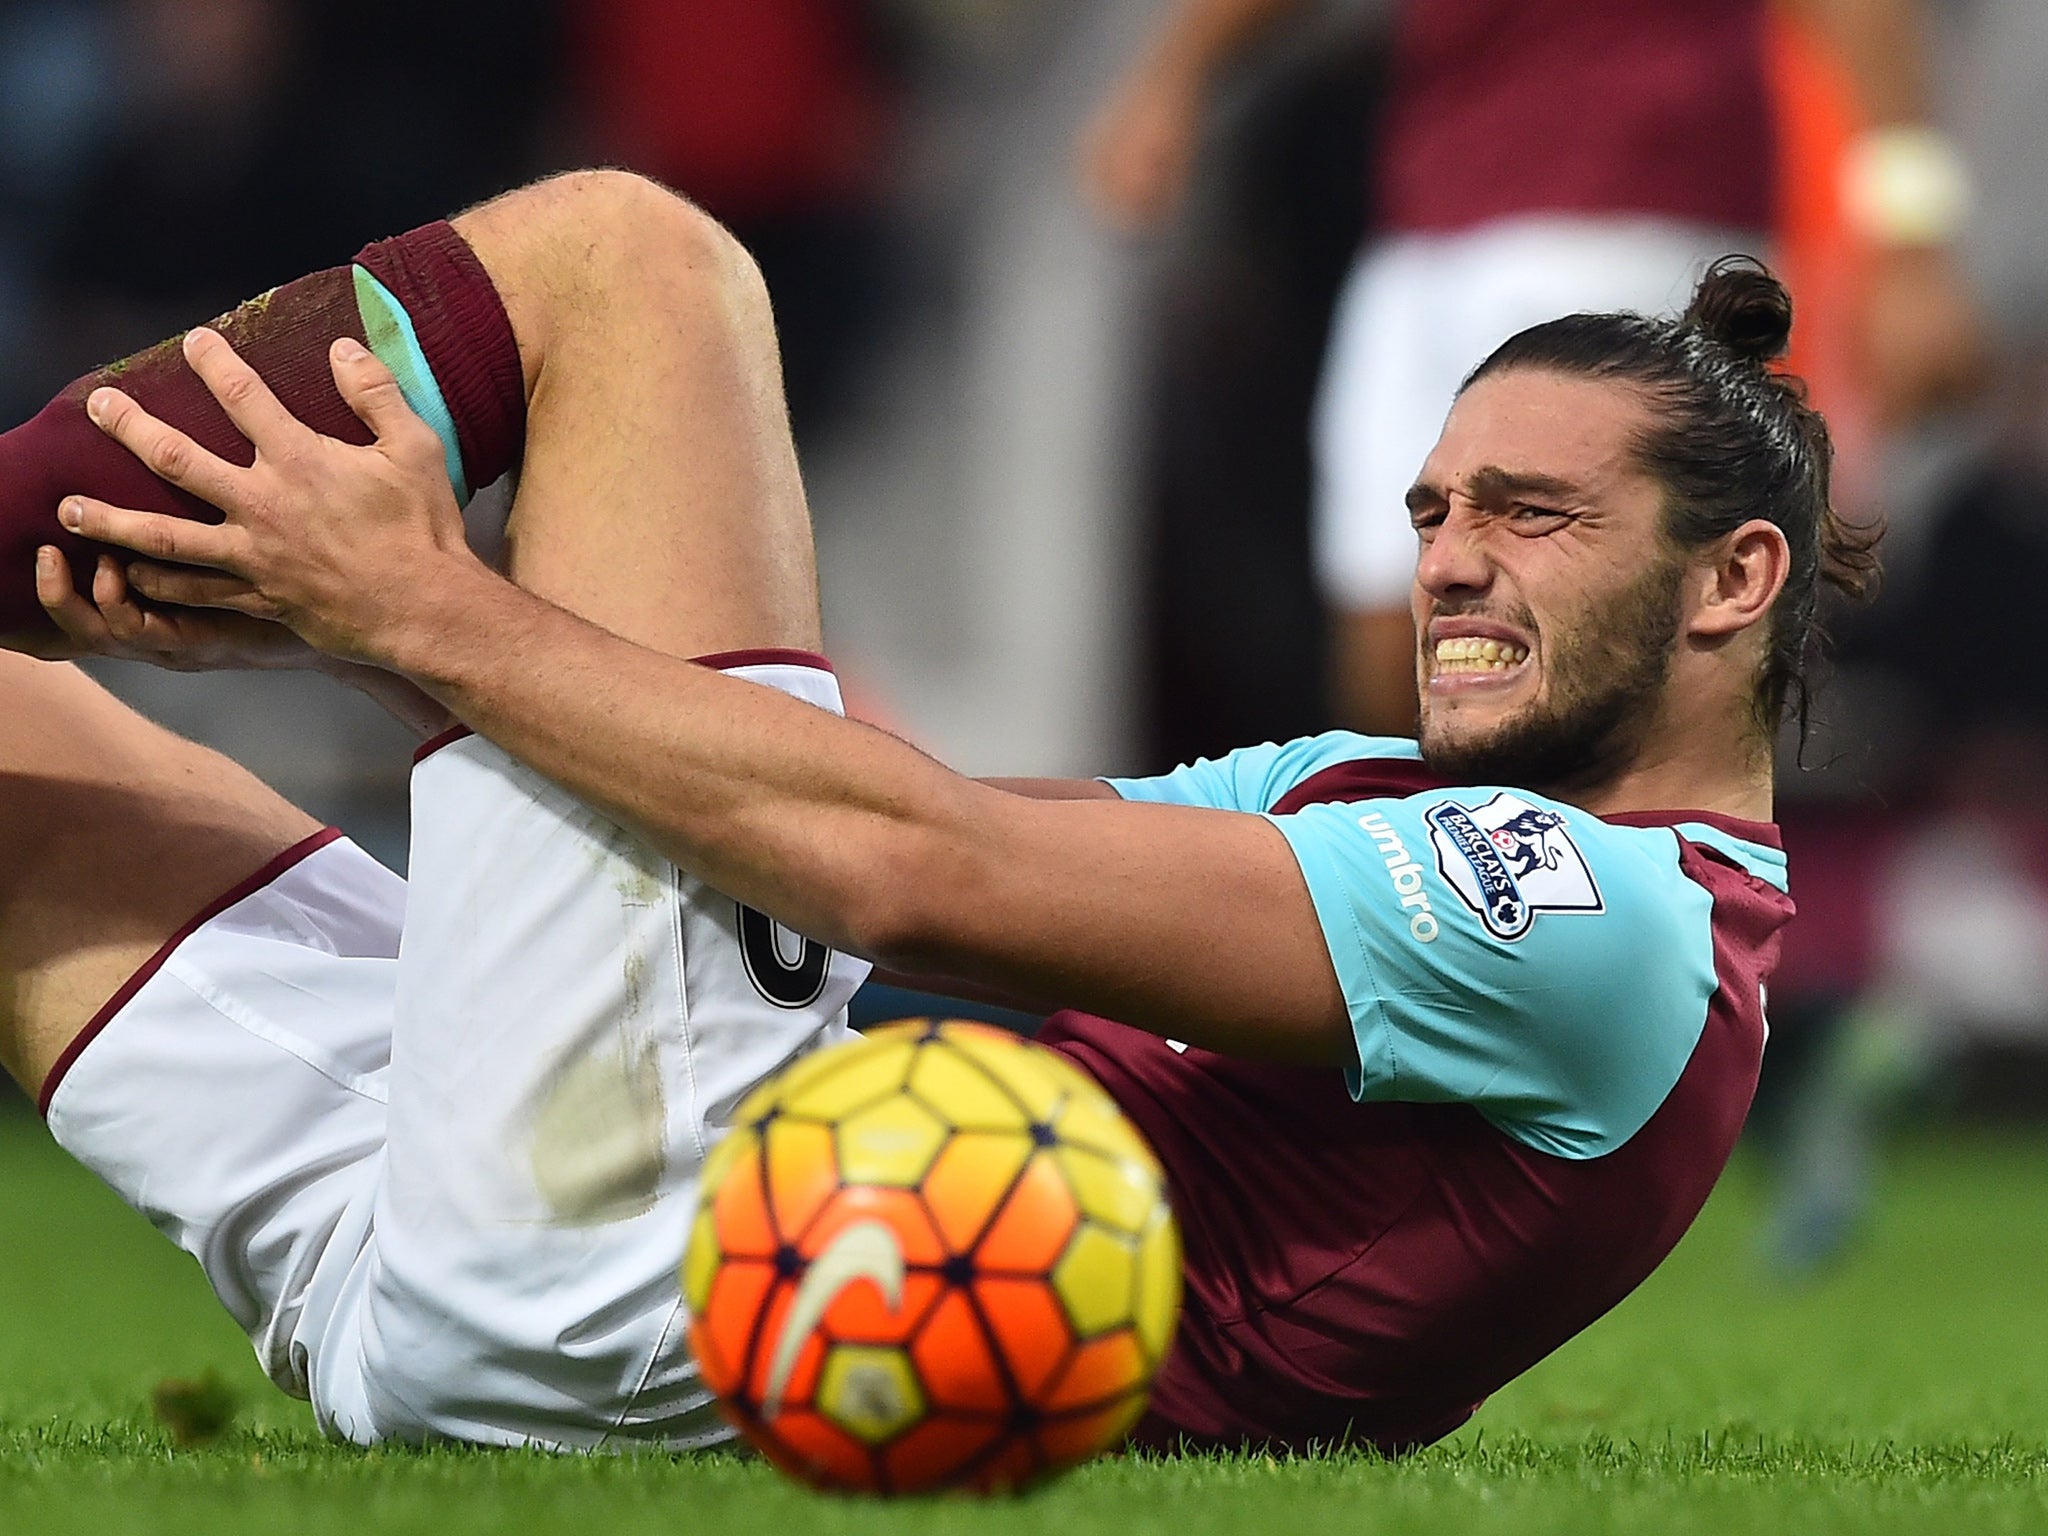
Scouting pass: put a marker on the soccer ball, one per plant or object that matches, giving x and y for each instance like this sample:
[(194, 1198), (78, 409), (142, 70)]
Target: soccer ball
[(934, 1257)]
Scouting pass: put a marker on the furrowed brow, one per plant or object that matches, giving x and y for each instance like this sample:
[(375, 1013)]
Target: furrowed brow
[(1424, 498), (1490, 484)]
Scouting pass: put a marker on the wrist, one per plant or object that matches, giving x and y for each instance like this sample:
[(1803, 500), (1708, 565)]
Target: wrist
[(449, 607)]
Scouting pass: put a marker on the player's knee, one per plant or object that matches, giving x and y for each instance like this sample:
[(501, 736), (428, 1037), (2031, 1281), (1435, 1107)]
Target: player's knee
[(636, 232)]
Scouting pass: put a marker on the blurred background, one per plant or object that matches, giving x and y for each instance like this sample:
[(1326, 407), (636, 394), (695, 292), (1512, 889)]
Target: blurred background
[(1114, 329)]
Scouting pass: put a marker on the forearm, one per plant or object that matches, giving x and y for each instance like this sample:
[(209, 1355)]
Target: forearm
[(1054, 789), (1190, 923), (398, 697), (774, 802), (1194, 923), (1201, 36)]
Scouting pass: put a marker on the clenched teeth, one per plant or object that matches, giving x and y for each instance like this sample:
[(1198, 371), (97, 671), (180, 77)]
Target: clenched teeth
[(1470, 653)]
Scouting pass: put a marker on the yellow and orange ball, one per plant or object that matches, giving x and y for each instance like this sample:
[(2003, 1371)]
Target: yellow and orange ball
[(934, 1257)]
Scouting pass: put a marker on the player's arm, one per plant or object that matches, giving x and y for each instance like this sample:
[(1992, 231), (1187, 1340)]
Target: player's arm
[(1195, 923), (1883, 46), (1511, 952), (967, 991), (1141, 144), (1192, 922), (954, 986), (1054, 789)]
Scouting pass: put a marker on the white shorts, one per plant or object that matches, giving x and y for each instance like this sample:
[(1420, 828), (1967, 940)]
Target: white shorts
[(1417, 314), (436, 1146)]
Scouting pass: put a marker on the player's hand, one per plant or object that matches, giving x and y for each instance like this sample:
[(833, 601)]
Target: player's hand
[(111, 621), (1137, 154), (346, 545)]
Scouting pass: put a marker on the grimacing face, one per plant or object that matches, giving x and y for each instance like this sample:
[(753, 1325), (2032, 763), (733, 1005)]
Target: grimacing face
[(1546, 600)]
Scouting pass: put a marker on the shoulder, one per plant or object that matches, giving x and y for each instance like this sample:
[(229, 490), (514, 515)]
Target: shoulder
[(1505, 857), (1505, 949), (1259, 778)]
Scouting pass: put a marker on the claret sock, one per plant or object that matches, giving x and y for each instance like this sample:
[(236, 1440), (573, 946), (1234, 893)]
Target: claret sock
[(421, 301)]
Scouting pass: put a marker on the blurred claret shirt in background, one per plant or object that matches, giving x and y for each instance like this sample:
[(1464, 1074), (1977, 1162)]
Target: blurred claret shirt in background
[(776, 116)]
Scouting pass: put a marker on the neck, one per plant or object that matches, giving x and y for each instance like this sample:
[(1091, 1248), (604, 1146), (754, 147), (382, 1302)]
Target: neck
[(1696, 761), (1661, 786)]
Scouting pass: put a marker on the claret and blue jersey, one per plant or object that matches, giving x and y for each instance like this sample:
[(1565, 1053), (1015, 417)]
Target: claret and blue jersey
[(1496, 948), (1558, 1020)]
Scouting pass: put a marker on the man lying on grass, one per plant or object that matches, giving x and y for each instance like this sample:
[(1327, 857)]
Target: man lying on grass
[(1442, 1044)]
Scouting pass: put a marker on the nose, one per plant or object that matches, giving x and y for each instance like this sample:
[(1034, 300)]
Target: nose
[(1454, 561)]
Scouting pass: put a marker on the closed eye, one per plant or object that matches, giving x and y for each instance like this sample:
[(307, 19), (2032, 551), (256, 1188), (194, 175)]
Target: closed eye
[(1534, 521)]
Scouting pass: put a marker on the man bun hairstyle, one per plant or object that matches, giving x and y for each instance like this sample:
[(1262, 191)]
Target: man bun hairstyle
[(1732, 438), (1744, 308)]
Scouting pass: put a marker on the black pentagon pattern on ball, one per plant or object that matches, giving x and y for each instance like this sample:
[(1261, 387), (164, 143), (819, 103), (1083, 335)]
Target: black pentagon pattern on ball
[(957, 1276)]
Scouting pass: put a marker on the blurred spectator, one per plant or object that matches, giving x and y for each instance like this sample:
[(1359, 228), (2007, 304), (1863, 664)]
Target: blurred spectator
[(1950, 994), (1918, 959), (1536, 157), (1234, 629), (245, 141)]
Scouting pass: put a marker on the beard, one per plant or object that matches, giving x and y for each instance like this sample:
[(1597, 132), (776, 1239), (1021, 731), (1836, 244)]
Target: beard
[(1606, 677)]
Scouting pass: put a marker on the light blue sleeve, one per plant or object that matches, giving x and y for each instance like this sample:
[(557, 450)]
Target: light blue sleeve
[(1504, 950), (1255, 778)]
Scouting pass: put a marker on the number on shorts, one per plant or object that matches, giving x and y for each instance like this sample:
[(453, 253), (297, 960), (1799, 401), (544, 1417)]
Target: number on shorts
[(785, 982)]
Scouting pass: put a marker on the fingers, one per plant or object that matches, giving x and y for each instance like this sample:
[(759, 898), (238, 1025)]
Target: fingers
[(175, 539), (112, 622), (107, 622), (199, 589), (68, 609), (372, 392), (123, 616), (167, 453), (255, 411)]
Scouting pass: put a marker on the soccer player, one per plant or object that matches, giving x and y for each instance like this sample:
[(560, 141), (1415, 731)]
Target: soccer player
[(1443, 1044)]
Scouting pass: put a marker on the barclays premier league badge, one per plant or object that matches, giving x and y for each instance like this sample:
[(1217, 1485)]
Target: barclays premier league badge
[(1508, 860)]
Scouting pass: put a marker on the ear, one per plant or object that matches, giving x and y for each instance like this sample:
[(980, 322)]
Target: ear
[(1741, 581)]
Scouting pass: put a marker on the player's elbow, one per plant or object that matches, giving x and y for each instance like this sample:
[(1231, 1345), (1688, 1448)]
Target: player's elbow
[(906, 914)]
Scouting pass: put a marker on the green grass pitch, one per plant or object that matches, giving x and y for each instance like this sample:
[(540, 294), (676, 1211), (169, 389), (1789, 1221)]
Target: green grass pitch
[(1907, 1392)]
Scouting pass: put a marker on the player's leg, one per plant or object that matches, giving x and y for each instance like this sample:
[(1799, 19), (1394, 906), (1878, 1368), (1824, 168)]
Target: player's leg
[(574, 1017), (113, 833), (419, 300), (659, 494), (576, 1020), (1385, 389), (638, 328), (195, 983)]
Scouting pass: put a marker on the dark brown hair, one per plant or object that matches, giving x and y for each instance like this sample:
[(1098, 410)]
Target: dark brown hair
[(1731, 439)]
